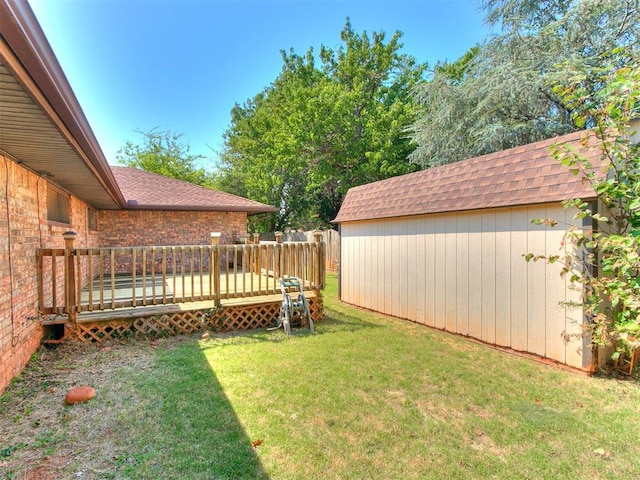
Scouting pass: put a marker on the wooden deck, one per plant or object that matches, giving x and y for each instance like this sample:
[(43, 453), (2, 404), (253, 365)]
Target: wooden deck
[(114, 292), (246, 290), (181, 318), (78, 280), (143, 321)]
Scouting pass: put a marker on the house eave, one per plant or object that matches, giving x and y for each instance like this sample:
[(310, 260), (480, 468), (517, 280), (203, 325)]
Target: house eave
[(27, 55)]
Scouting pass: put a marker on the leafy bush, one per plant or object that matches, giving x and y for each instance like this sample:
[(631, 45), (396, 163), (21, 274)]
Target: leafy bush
[(606, 260)]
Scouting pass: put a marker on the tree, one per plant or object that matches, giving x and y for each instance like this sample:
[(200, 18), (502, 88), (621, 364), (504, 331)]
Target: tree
[(316, 131), (165, 154), (504, 98), (262, 156), (608, 257), (363, 134)]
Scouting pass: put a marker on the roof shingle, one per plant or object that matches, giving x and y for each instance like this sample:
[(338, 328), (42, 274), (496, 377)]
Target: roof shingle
[(150, 191), (518, 176)]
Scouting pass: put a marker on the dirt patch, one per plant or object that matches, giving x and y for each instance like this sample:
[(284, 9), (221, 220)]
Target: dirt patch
[(480, 441), (42, 438)]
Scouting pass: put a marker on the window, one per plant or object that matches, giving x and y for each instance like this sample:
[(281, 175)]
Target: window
[(92, 219), (57, 205)]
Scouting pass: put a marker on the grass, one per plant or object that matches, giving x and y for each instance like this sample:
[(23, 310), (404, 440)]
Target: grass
[(365, 397)]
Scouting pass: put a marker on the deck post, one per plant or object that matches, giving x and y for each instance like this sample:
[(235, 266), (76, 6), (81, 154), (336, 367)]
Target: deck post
[(278, 255), (215, 238), (215, 265), (256, 254), (317, 236), (69, 276)]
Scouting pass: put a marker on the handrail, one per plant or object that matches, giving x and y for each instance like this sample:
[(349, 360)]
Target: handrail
[(75, 280)]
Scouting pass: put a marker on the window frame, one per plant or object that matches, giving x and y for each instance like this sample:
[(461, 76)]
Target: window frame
[(92, 219), (58, 205)]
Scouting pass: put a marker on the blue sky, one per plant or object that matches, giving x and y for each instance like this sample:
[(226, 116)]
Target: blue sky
[(181, 65)]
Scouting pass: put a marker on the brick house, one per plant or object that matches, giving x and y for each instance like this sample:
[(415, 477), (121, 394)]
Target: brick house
[(172, 211), (54, 178)]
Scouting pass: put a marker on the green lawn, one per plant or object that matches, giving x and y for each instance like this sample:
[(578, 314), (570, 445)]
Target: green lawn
[(365, 397)]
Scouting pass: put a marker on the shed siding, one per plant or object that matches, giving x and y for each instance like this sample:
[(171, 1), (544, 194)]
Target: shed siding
[(536, 286), (462, 275), (555, 296), (476, 289), (503, 277), (465, 273), (451, 273), (519, 288), (440, 293), (488, 276)]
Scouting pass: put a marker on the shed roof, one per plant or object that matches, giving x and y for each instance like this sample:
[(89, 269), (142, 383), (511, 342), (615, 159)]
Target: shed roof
[(150, 191), (518, 176)]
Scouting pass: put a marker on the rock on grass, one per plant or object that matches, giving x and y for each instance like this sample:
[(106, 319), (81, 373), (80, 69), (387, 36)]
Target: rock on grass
[(79, 395)]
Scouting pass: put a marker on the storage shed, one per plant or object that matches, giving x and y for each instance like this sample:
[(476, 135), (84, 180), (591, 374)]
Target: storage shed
[(444, 247)]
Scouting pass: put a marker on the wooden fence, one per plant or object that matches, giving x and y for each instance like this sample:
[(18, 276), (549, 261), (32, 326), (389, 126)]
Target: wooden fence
[(331, 239), (85, 279)]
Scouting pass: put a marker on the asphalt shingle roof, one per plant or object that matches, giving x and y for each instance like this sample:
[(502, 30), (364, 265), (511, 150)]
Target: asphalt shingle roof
[(150, 191), (518, 176)]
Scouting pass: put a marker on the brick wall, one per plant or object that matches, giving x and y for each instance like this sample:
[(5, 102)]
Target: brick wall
[(148, 228), (23, 230)]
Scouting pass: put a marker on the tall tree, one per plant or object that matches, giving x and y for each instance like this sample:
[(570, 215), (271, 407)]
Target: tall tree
[(364, 137), (505, 97), (262, 158), (316, 131), (166, 154)]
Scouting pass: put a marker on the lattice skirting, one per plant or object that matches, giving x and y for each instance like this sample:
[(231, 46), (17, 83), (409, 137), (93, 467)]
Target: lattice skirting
[(221, 319)]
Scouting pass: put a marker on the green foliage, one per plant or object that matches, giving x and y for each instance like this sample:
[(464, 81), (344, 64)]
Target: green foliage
[(166, 154), (606, 260), (318, 130), (216, 319), (500, 96), (456, 72), (7, 451)]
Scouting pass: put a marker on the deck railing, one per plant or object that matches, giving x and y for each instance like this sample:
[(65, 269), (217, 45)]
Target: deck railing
[(75, 280)]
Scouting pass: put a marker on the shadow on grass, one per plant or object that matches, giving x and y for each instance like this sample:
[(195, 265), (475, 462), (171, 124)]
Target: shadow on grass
[(190, 429), (333, 322)]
